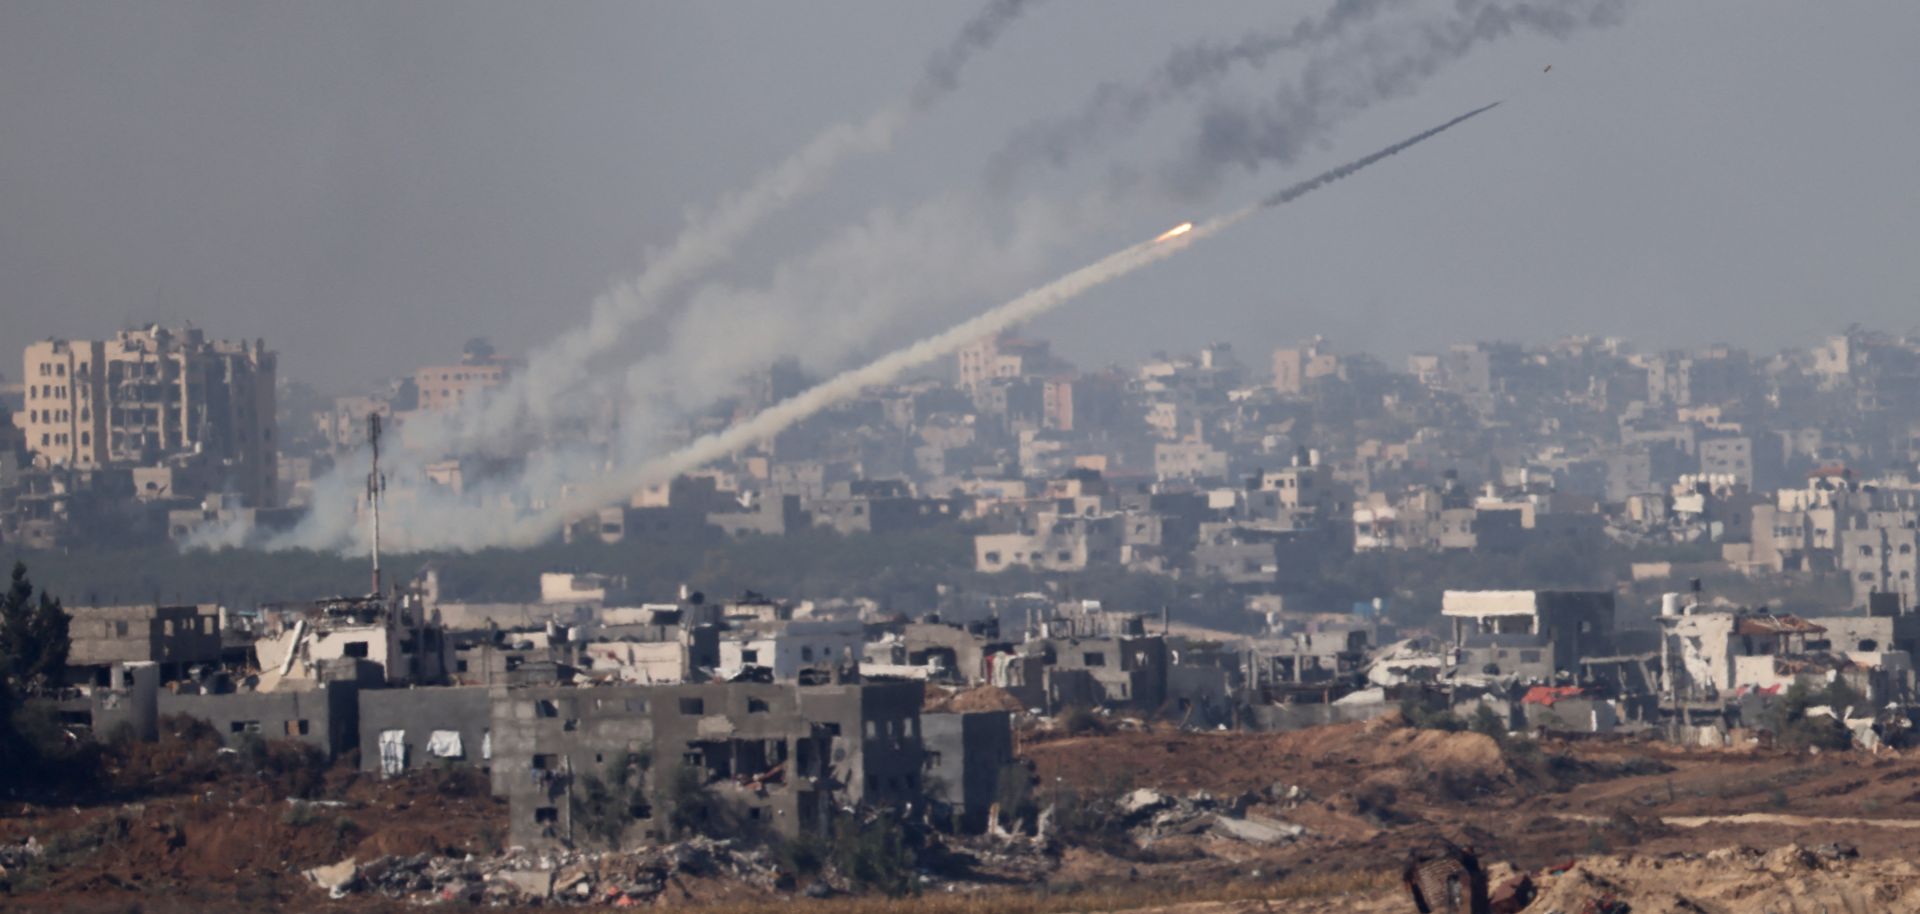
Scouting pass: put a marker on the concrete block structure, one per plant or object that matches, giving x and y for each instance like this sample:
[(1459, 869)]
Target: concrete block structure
[(410, 729), (773, 757), (152, 393), (174, 637), (325, 717), (1541, 632), (965, 756)]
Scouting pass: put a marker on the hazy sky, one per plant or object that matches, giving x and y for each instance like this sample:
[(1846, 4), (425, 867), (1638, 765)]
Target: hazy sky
[(367, 184)]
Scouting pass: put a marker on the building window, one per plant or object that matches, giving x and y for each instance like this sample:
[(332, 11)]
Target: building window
[(546, 763), (546, 815), (296, 728), (756, 706), (1094, 658), (245, 726), (354, 649), (693, 706)]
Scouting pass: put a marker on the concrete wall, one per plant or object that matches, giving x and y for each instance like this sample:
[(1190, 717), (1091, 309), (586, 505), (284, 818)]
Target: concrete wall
[(325, 717), (1299, 717), (418, 713), (965, 755), (173, 636)]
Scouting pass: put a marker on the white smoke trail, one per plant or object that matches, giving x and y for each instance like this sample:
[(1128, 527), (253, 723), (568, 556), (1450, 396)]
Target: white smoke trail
[(847, 385), (879, 271), (534, 398), (786, 413), (523, 414)]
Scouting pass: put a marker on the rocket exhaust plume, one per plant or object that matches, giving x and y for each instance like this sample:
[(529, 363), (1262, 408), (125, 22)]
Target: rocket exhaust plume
[(771, 421), (1296, 191), (535, 399), (707, 240)]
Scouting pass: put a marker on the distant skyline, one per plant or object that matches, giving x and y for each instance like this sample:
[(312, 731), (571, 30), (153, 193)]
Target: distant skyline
[(368, 185)]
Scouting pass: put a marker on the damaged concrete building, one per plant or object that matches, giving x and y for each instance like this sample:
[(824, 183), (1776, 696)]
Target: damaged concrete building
[(1528, 634), (1085, 657), (780, 758), (372, 640), (175, 637)]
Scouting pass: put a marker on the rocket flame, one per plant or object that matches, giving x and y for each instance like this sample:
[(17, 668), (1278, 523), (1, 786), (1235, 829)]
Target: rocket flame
[(1174, 232)]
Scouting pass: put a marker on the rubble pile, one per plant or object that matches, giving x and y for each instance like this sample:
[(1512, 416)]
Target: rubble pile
[(1150, 815), (576, 877)]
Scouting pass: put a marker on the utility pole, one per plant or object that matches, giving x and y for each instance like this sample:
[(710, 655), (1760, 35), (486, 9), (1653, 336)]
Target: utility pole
[(375, 485)]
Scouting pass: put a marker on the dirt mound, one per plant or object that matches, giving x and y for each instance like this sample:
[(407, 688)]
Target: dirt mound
[(984, 698), (1735, 879)]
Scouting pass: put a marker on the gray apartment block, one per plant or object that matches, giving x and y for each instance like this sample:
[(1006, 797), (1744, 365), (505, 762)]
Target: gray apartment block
[(965, 755), (172, 636), (773, 757), (410, 729), (326, 717)]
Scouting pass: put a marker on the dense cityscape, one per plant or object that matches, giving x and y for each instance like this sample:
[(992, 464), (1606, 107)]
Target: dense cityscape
[(1009, 457), (1569, 539)]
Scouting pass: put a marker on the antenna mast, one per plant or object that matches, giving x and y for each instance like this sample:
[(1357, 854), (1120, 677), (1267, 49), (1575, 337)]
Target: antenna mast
[(375, 484)]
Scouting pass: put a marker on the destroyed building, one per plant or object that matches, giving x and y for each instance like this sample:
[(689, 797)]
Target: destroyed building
[(1529, 634), (1083, 656), (375, 640), (780, 758)]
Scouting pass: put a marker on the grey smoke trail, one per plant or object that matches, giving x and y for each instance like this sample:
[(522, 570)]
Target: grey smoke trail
[(1115, 107), (1294, 192), (1375, 68), (847, 385), (980, 32)]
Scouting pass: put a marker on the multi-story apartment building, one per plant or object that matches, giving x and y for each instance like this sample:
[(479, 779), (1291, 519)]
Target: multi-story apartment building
[(146, 395), (447, 386)]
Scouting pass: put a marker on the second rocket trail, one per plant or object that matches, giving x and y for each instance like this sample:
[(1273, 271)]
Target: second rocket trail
[(621, 482)]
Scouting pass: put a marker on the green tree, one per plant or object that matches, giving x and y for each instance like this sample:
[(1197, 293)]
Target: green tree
[(34, 638), (33, 658)]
